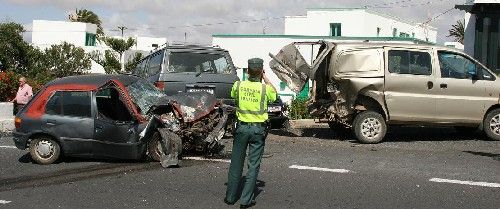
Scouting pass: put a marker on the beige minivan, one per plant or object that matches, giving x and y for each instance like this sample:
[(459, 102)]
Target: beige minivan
[(367, 86)]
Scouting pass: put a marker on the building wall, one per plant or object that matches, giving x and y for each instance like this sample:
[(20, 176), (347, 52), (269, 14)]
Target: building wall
[(147, 43), (470, 30), (355, 23), (46, 33)]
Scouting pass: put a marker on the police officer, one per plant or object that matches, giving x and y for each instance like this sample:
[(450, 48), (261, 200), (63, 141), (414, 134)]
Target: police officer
[(252, 97)]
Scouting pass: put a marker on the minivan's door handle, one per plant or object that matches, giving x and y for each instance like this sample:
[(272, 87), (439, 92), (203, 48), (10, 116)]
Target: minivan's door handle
[(430, 85), (443, 85)]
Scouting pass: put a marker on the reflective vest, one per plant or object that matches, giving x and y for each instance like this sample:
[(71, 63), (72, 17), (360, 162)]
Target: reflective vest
[(251, 99)]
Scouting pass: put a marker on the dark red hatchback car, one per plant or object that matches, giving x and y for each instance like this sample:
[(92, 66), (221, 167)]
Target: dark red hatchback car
[(115, 116)]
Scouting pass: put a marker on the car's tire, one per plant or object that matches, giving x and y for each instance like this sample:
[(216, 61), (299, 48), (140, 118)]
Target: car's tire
[(491, 124), (44, 150), (154, 147), (369, 127)]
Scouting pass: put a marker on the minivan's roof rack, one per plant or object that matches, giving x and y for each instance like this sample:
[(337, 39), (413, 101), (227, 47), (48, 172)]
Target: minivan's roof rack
[(183, 45)]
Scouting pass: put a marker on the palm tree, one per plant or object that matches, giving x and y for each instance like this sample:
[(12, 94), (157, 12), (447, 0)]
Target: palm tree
[(120, 46), (87, 16), (457, 31)]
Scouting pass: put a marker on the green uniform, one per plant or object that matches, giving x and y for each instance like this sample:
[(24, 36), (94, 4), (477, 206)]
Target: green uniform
[(252, 98)]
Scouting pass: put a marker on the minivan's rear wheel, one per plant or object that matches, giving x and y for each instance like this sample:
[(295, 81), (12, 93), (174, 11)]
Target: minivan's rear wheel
[(492, 124), (154, 147), (44, 150), (369, 127)]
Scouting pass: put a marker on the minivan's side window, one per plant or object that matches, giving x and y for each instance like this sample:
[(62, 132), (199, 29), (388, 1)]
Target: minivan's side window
[(154, 63), (457, 66), (69, 103), (409, 62)]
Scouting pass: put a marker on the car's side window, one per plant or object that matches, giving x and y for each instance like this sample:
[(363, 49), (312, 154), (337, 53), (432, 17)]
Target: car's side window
[(487, 75), (69, 103), (409, 62), (110, 105), (455, 66)]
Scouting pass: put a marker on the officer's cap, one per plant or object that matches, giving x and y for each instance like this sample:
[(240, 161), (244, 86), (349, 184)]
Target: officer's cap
[(255, 63)]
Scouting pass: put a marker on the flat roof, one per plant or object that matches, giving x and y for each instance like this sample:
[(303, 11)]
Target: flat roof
[(415, 40), (368, 10)]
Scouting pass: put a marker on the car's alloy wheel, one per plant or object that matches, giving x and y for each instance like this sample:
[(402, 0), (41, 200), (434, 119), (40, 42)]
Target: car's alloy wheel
[(492, 124), (44, 150), (369, 127)]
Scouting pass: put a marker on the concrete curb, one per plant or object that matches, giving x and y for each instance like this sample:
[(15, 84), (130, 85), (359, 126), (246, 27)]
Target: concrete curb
[(7, 125), (307, 123)]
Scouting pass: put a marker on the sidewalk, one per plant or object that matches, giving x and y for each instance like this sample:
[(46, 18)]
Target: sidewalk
[(6, 117), (307, 123)]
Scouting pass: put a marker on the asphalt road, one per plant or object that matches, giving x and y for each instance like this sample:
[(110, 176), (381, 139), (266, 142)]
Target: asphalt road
[(414, 168)]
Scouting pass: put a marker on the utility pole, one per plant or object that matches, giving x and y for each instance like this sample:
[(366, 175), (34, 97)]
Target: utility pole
[(122, 28)]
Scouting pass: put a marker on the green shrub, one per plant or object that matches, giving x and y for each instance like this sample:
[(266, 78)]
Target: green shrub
[(8, 85), (298, 110)]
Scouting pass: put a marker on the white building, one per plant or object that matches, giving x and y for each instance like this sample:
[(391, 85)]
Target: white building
[(482, 31), (454, 44), (356, 22), (46, 33), (321, 24)]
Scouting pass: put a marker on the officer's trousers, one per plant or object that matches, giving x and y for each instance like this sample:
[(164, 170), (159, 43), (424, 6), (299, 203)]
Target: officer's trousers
[(253, 137)]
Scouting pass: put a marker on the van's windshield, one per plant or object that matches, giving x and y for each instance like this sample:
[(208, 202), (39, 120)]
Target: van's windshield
[(182, 62)]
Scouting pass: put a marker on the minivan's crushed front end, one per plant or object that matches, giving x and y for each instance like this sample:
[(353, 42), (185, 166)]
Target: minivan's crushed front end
[(337, 83)]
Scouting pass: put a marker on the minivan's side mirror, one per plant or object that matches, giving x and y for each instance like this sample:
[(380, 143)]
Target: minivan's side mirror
[(472, 72)]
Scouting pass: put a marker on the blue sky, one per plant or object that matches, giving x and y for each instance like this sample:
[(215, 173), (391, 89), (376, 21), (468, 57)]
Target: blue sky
[(156, 17)]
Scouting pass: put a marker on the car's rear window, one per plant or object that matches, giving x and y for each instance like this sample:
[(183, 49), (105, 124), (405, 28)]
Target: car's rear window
[(69, 103), (182, 62)]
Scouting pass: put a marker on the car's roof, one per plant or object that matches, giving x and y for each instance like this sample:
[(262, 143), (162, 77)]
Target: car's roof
[(94, 79)]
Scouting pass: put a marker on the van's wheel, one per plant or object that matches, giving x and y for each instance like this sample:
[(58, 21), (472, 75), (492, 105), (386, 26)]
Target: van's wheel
[(369, 127), (491, 124), (154, 147), (44, 150)]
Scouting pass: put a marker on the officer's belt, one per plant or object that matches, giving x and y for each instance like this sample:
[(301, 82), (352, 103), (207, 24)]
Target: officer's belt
[(252, 123)]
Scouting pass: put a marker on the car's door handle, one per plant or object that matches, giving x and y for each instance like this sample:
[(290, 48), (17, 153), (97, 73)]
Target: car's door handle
[(98, 127), (430, 85), (51, 122), (443, 85)]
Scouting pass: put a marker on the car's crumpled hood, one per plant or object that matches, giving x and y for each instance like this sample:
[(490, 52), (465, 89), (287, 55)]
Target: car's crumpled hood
[(191, 106)]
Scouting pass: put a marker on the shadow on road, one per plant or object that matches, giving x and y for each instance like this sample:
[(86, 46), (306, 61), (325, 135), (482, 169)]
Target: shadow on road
[(485, 154), (394, 134)]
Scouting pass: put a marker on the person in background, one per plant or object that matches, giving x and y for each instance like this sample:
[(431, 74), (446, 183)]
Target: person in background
[(251, 98), (24, 94)]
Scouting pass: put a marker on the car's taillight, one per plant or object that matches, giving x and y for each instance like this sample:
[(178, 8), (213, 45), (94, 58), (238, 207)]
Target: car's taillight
[(160, 85), (17, 122)]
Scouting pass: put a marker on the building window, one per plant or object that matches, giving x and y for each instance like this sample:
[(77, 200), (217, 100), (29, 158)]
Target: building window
[(404, 35), (378, 31), (90, 39), (335, 29), (282, 86), (394, 32)]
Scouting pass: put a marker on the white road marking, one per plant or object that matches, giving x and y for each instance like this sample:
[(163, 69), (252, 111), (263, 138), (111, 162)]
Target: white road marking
[(300, 167), (5, 202), (473, 183), (9, 147), (207, 159)]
